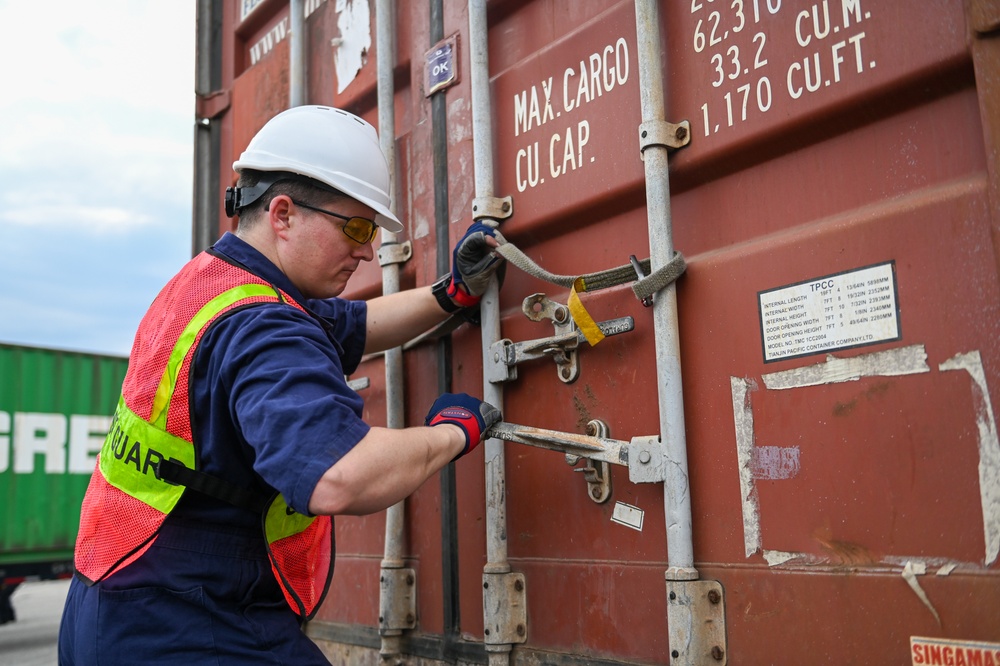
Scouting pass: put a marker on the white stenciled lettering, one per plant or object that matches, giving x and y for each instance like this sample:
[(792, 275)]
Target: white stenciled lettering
[(268, 41), (595, 76), (4, 441), (529, 112), (773, 7), (572, 151), (43, 434), (830, 32), (583, 92), (547, 114), (807, 76), (36, 434), (528, 175), (820, 23), (852, 12), (599, 73), (86, 434)]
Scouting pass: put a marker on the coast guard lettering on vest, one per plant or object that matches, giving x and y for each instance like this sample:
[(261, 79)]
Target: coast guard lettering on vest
[(130, 451)]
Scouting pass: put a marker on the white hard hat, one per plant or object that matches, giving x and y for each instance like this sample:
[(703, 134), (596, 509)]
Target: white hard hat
[(329, 145)]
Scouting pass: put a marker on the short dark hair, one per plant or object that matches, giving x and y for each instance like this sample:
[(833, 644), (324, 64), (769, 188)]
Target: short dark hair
[(300, 188)]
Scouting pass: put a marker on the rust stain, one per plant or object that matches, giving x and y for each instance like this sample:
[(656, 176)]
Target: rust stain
[(878, 390), (844, 408), (845, 552), (583, 411)]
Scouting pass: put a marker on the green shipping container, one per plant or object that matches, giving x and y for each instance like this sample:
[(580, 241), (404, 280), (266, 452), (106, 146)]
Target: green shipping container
[(55, 410)]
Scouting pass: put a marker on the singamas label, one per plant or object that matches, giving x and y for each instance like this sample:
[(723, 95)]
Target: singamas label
[(839, 311), (944, 652)]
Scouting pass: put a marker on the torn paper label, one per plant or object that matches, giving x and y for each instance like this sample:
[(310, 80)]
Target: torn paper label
[(910, 572), (628, 515)]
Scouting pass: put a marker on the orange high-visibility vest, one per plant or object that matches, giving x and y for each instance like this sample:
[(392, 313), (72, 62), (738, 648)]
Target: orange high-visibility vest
[(127, 500)]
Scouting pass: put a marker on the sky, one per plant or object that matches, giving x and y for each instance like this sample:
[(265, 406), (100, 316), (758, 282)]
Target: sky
[(96, 166)]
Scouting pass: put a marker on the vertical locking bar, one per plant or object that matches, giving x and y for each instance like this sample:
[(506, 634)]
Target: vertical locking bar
[(681, 573), (489, 308), (676, 490)]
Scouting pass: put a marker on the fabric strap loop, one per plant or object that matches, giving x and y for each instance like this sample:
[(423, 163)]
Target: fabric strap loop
[(643, 287)]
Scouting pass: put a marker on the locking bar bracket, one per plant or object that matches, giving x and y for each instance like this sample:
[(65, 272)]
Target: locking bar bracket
[(505, 355), (597, 474), (505, 610), (663, 133), (397, 599), (696, 621), (647, 460), (394, 253), (492, 208)]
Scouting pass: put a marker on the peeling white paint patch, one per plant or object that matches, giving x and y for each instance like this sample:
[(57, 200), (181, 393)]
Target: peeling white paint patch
[(890, 363), (989, 449), (743, 417), (421, 225), (775, 462), (910, 572), (901, 560), (355, 23), (459, 120), (776, 557), (897, 362)]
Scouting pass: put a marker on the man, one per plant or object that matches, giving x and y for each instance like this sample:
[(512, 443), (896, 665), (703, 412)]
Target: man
[(205, 535)]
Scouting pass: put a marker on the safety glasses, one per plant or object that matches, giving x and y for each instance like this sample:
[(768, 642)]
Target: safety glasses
[(358, 229)]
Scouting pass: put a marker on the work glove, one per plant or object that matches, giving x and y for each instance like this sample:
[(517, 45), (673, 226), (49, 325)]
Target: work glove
[(470, 414), (473, 263)]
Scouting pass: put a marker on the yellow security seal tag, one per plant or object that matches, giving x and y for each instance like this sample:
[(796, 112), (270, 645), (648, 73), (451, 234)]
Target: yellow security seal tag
[(587, 325)]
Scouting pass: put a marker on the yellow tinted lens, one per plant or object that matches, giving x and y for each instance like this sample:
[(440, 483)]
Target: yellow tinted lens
[(360, 229)]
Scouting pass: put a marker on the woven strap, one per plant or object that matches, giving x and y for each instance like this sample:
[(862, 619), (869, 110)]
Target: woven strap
[(643, 288)]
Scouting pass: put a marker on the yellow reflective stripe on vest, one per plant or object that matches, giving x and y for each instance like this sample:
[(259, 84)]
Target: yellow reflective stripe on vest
[(161, 403), (130, 453), (282, 521)]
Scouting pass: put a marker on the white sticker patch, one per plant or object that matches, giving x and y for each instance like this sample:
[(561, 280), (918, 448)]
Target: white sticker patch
[(628, 515), (839, 311)]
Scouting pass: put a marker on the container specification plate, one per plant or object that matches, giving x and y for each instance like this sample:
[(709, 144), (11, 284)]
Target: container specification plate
[(840, 311)]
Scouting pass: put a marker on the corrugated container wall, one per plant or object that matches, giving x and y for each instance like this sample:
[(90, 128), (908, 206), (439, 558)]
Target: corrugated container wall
[(55, 410), (833, 186)]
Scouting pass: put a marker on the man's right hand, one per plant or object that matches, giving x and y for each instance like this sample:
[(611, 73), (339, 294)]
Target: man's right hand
[(470, 414)]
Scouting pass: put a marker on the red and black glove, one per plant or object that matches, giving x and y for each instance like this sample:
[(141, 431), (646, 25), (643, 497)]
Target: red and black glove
[(470, 414), (473, 263)]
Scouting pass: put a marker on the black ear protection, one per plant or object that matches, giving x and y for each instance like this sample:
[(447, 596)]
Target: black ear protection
[(232, 197), (238, 198)]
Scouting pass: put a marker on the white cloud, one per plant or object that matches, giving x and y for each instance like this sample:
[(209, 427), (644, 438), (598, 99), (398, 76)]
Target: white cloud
[(98, 220), (96, 157), (127, 52)]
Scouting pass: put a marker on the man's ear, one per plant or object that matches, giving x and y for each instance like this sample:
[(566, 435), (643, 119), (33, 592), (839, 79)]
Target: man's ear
[(279, 214)]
